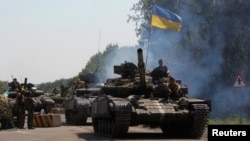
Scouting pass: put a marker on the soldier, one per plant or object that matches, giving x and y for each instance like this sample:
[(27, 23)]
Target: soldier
[(14, 85), (161, 66), (174, 88), (63, 92), (29, 106), (54, 91), (79, 84), (20, 110)]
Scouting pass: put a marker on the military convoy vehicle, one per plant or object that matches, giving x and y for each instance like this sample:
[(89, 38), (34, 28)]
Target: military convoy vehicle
[(40, 100), (78, 105), (139, 97)]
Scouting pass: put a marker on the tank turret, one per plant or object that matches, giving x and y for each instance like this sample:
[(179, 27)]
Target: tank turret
[(40, 100), (126, 70), (139, 97)]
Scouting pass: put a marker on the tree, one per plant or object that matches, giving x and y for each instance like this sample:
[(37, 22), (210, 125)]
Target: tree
[(212, 46)]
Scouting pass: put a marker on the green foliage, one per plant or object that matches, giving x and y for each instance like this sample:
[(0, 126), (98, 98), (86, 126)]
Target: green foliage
[(231, 120), (48, 87), (98, 63), (3, 86)]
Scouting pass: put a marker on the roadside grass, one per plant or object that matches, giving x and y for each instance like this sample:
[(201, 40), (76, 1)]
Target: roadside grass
[(232, 120)]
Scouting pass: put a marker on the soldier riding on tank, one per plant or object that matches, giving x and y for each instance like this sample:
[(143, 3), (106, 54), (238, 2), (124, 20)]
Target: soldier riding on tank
[(141, 98)]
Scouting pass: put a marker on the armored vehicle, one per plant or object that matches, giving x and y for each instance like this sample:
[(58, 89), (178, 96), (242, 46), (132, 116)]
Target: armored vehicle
[(78, 105), (141, 97), (40, 100)]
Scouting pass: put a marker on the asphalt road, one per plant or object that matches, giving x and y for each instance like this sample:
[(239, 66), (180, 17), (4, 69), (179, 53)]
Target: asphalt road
[(83, 133)]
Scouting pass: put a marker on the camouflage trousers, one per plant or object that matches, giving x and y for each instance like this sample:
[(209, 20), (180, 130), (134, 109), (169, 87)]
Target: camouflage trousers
[(30, 117), (20, 117)]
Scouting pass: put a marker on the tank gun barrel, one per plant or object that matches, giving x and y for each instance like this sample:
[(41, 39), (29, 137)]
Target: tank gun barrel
[(141, 67), (25, 83)]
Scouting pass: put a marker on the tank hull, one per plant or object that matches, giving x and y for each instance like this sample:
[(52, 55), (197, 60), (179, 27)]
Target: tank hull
[(113, 116), (78, 106), (77, 110)]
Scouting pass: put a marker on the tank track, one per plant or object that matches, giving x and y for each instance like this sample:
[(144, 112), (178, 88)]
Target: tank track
[(76, 117), (194, 127), (200, 120), (112, 127)]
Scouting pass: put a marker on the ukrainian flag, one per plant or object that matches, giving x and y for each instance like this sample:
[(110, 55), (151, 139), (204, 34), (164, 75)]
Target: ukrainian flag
[(165, 19)]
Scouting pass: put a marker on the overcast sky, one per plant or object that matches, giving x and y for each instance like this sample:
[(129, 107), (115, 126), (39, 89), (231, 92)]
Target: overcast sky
[(46, 40)]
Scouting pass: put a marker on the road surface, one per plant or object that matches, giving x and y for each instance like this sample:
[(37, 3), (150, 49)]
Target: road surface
[(83, 133)]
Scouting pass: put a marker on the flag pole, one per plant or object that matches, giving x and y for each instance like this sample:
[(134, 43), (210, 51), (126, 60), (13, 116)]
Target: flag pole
[(148, 45), (149, 35)]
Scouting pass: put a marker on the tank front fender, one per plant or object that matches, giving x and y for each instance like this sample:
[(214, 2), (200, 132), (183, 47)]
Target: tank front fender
[(121, 106), (82, 103)]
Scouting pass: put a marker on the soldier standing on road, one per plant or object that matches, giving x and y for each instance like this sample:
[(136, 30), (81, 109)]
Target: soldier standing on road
[(29, 105), (20, 110)]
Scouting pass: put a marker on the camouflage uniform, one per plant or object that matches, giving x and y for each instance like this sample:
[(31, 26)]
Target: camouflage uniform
[(29, 105), (20, 110), (14, 85)]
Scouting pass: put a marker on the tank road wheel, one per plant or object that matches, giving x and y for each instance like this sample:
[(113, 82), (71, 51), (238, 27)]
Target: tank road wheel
[(194, 127), (176, 130), (169, 131), (78, 117), (95, 124), (70, 116), (67, 116)]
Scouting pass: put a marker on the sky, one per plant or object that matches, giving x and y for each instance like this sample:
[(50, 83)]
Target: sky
[(48, 40)]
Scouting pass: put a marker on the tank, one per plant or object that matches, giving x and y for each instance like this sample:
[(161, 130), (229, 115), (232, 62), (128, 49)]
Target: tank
[(78, 105), (140, 97), (40, 100)]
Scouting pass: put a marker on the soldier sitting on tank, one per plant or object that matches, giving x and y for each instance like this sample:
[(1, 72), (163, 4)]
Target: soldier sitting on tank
[(55, 91), (162, 91), (14, 85), (174, 89), (79, 84), (159, 72), (161, 66)]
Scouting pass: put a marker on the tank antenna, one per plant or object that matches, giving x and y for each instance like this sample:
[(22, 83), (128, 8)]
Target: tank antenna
[(99, 41)]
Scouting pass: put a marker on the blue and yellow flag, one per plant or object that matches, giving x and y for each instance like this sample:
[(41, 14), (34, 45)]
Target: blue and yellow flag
[(165, 19)]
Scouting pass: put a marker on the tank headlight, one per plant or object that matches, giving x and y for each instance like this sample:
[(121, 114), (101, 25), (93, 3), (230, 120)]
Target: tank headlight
[(111, 105)]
